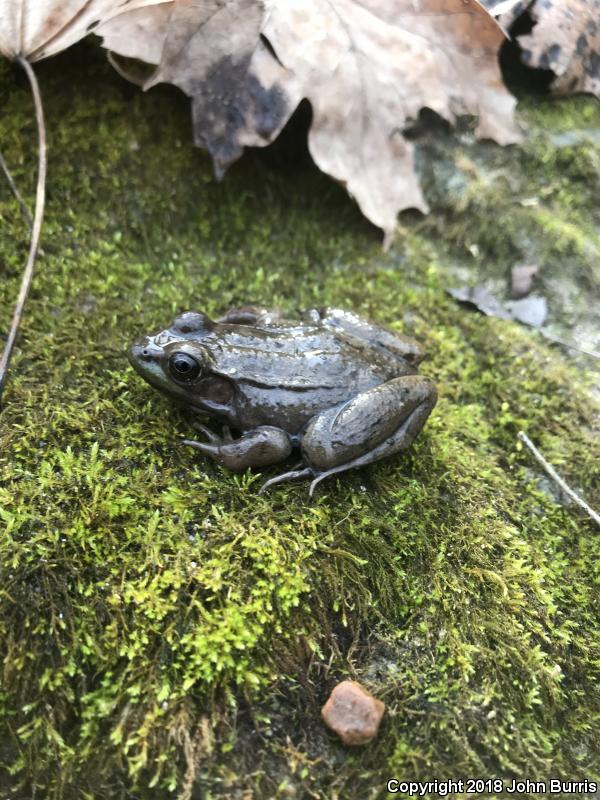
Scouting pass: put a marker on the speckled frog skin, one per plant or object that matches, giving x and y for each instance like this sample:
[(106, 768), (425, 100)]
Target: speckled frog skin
[(338, 388)]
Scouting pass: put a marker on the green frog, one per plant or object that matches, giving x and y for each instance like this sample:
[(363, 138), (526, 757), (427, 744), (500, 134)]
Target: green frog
[(341, 390)]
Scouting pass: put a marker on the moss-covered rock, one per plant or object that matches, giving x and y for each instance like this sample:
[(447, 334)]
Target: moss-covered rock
[(163, 628)]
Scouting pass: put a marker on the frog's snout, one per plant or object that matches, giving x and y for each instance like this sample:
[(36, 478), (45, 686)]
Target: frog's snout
[(143, 351)]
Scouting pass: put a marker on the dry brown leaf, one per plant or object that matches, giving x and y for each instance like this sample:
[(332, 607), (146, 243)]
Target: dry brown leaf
[(369, 67), (531, 310), (366, 66), (36, 29), (139, 33), (214, 52), (506, 11), (500, 7), (566, 40)]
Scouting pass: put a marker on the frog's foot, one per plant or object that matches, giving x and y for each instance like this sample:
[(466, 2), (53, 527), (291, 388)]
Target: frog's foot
[(258, 447), (375, 424)]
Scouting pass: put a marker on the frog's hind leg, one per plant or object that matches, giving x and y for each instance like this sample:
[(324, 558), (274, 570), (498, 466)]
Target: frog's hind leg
[(376, 423)]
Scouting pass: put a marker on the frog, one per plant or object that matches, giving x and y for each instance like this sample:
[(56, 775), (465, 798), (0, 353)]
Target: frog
[(342, 391)]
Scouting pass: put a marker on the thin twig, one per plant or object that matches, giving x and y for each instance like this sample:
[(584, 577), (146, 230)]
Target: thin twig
[(15, 191), (549, 469), (37, 222), (563, 343)]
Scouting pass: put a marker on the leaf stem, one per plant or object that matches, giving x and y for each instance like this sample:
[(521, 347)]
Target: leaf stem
[(549, 469), (36, 228)]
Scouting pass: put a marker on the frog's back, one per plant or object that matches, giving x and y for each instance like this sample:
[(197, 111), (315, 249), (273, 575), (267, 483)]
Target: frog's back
[(286, 373)]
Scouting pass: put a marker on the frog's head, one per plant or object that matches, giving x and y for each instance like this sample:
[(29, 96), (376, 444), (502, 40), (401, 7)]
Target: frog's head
[(175, 360)]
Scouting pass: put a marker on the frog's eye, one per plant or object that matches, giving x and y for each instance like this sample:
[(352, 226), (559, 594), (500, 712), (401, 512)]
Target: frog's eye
[(184, 367)]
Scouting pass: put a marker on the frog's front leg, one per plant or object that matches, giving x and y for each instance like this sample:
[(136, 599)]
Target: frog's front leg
[(258, 447), (374, 424)]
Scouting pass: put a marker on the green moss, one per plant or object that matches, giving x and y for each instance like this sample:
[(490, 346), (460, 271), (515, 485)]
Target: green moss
[(164, 628)]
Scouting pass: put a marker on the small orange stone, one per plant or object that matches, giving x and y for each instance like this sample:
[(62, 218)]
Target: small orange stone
[(353, 713)]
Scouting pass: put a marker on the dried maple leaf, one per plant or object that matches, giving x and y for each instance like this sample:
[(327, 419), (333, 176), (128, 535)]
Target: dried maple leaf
[(506, 11), (240, 93), (566, 40), (139, 33), (366, 66), (369, 67), (36, 29), (213, 51)]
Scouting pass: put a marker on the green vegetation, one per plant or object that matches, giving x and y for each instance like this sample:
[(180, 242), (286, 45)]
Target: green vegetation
[(163, 628)]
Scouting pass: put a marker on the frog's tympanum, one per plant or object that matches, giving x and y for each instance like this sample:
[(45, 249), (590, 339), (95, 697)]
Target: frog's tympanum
[(341, 390)]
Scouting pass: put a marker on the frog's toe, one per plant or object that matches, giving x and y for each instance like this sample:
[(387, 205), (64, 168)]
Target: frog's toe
[(227, 437), (293, 475), (334, 471), (208, 448), (210, 435), (314, 483)]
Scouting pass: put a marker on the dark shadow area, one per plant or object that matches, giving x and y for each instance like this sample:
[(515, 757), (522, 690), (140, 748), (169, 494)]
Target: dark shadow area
[(427, 122), (289, 151), (520, 79)]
